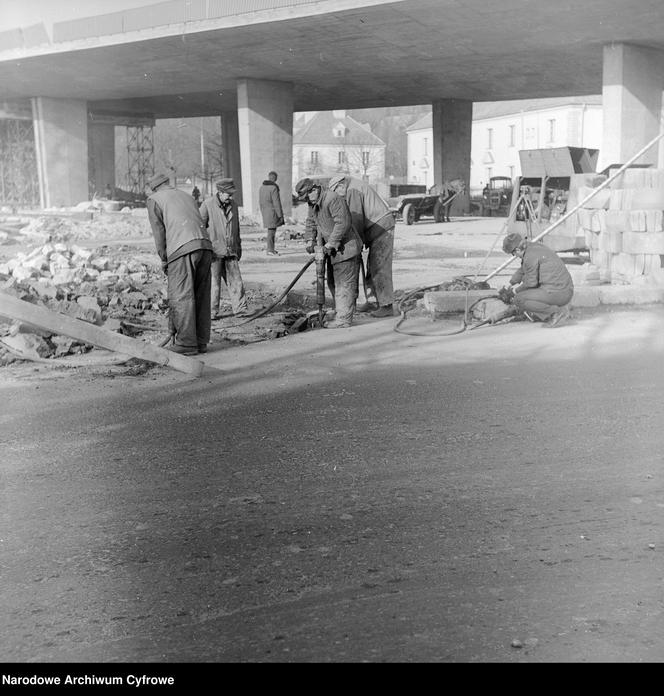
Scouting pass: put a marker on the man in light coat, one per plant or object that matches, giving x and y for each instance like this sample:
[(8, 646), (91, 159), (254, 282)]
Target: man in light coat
[(220, 216), (184, 247), (271, 210), (329, 215), (374, 223)]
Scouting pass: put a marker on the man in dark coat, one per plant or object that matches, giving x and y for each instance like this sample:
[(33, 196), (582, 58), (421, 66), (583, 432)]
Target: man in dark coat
[(184, 247), (220, 215), (270, 205), (329, 215), (374, 222), (544, 286)]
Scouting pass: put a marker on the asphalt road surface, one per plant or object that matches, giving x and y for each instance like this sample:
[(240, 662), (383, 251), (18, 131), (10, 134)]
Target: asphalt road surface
[(358, 495)]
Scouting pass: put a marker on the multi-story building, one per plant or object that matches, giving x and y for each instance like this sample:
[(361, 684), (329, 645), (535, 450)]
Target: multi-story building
[(326, 143), (501, 129)]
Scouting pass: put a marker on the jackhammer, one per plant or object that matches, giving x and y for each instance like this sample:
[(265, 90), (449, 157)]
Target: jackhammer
[(319, 260)]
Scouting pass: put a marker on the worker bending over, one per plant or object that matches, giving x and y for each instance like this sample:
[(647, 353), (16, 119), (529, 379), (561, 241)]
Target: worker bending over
[(374, 222), (329, 215), (544, 286)]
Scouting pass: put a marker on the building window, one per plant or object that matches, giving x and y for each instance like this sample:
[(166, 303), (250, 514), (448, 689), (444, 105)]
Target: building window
[(489, 138), (341, 157), (426, 146), (314, 157), (512, 136), (512, 172), (552, 130), (489, 173), (366, 156)]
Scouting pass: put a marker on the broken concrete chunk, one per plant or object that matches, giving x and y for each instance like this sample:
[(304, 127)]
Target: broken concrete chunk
[(73, 309), (29, 346)]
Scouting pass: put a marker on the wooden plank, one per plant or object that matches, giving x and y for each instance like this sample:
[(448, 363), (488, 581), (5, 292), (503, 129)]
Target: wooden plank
[(13, 308)]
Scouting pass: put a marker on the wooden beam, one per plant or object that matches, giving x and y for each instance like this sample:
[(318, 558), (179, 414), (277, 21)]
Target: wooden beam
[(15, 309)]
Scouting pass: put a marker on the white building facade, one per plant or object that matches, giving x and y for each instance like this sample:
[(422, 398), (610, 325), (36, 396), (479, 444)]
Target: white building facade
[(501, 129), (327, 143)]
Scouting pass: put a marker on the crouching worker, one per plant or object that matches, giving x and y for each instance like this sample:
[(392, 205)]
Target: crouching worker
[(543, 285), (184, 247), (329, 215)]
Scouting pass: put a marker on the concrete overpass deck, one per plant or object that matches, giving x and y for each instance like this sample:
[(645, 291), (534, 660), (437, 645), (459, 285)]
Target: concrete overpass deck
[(341, 54)]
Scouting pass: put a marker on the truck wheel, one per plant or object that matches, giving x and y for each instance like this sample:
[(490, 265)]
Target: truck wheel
[(439, 212), (408, 214)]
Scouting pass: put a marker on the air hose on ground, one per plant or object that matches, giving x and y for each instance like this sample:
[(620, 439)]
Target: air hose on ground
[(419, 292), (263, 312)]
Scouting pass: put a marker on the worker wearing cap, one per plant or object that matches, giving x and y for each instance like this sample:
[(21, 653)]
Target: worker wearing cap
[(375, 224), (221, 217), (184, 247), (544, 286), (329, 215)]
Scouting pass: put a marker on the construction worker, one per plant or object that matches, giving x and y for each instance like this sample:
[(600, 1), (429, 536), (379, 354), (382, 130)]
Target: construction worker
[(543, 286), (184, 247), (329, 215), (271, 210), (374, 223), (221, 217)]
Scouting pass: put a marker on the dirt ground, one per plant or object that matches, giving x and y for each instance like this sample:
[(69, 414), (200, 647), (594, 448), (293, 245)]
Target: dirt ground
[(425, 253), (351, 495)]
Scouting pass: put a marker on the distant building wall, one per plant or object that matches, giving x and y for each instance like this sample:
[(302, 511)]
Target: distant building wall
[(496, 141)]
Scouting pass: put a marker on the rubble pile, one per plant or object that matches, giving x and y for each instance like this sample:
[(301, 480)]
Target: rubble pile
[(63, 229), (101, 287)]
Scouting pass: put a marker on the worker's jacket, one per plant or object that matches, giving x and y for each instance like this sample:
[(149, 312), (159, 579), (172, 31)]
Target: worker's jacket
[(370, 213), (270, 204), (176, 224), (541, 267), (330, 215), (224, 227)]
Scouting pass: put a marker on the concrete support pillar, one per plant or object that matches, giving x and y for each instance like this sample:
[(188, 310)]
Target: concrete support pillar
[(230, 149), (265, 118), (101, 156), (452, 130), (633, 80), (61, 140)]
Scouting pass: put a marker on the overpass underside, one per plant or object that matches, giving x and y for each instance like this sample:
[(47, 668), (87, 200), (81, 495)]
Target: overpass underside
[(257, 65)]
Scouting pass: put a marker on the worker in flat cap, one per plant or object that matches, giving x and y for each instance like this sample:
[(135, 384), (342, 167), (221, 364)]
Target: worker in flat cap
[(184, 247), (222, 219), (330, 217), (269, 201), (374, 222), (543, 287)]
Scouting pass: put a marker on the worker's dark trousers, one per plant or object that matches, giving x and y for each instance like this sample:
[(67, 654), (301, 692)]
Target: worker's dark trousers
[(189, 298), (379, 268), (271, 232), (342, 280), (542, 303)]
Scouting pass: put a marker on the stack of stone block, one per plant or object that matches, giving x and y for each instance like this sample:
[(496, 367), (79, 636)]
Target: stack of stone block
[(623, 226)]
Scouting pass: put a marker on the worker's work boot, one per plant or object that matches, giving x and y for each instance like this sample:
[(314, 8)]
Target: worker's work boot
[(336, 324), (385, 311), (183, 350), (559, 318), (366, 307)]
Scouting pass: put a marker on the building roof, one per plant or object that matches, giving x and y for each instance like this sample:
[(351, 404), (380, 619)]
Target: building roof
[(320, 130), (482, 110)]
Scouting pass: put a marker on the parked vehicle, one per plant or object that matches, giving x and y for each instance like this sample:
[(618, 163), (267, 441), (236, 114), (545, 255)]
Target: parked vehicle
[(497, 196), (411, 207)]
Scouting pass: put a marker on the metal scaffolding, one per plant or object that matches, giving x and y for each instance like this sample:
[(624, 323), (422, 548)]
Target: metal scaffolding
[(140, 157), (19, 180)]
